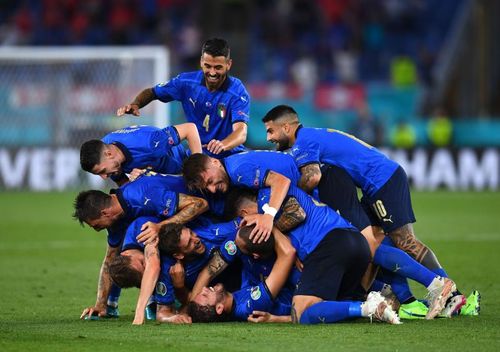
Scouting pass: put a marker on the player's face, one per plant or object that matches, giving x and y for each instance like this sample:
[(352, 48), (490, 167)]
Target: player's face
[(215, 178), (190, 244), (102, 222), (210, 296), (275, 133), (215, 70), (107, 167)]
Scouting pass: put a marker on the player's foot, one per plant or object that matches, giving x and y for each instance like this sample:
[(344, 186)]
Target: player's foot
[(413, 310), (376, 307), (473, 304), (112, 312), (438, 295), (150, 311), (453, 305), (390, 297)]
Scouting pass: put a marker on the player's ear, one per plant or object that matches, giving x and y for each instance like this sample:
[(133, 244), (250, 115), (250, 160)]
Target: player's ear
[(229, 64), (219, 308), (256, 256)]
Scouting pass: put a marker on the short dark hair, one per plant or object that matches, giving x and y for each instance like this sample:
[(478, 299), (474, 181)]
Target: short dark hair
[(279, 111), (89, 204), (123, 274), (90, 154), (265, 248), (235, 198), (216, 47), (205, 314), (192, 169), (168, 238)]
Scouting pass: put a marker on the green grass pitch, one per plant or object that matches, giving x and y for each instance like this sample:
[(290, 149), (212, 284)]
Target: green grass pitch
[(49, 267)]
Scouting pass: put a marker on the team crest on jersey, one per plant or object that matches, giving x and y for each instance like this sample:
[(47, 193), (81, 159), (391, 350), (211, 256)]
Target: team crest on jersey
[(255, 293), (221, 110), (230, 248), (161, 288)]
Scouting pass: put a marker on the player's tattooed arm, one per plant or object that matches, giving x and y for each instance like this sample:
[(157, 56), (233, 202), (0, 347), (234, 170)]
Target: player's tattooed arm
[(215, 266), (292, 215), (310, 177), (103, 285), (144, 98), (188, 209)]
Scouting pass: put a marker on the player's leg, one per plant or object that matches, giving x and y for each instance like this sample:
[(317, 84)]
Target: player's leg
[(337, 190)]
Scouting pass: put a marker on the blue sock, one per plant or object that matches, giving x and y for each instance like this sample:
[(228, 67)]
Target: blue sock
[(399, 285), (440, 272), (330, 312), (397, 261), (114, 296)]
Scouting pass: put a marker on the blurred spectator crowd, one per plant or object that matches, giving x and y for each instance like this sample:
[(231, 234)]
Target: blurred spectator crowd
[(301, 41)]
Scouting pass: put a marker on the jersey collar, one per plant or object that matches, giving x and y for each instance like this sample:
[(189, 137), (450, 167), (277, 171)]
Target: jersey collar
[(297, 130), (125, 151), (121, 199)]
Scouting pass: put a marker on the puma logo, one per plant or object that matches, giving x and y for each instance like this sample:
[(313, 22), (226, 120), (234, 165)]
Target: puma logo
[(389, 219), (192, 101), (146, 200)]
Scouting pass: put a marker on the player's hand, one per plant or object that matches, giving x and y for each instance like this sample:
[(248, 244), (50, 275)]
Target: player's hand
[(138, 318), (136, 173), (132, 109), (263, 226), (99, 311), (215, 146), (258, 316), (177, 274), (149, 233), (179, 319)]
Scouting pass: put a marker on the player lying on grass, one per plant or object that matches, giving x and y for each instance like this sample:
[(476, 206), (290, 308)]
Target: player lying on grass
[(320, 219), (213, 304), (156, 195), (217, 103), (383, 182), (139, 147)]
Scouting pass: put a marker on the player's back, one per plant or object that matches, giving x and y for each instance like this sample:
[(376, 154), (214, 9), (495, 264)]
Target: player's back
[(369, 168), (250, 169)]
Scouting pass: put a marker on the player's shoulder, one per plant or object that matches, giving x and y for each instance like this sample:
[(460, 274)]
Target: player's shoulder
[(190, 77)]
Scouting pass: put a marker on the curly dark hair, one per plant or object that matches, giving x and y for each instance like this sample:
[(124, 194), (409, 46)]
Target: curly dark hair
[(205, 314), (168, 238), (216, 47), (192, 169)]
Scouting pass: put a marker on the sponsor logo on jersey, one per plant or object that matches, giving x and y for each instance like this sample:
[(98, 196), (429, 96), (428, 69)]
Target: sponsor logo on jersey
[(161, 288), (242, 113), (167, 207), (255, 293), (230, 247)]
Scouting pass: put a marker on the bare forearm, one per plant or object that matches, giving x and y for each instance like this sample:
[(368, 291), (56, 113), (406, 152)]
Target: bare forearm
[(279, 188), (104, 283), (149, 278), (235, 138), (310, 177), (292, 215), (189, 208), (144, 98)]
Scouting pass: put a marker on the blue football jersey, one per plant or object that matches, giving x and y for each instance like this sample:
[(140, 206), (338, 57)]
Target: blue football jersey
[(149, 147), (320, 220), (368, 167), (214, 113), (151, 194), (212, 237), (133, 230), (249, 169), (258, 297)]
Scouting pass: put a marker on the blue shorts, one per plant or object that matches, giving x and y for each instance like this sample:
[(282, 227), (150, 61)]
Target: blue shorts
[(333, 271), (390, 207), (337, 190)]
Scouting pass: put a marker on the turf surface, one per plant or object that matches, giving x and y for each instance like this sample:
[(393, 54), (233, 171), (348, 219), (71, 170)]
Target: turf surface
[(49, 267)]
